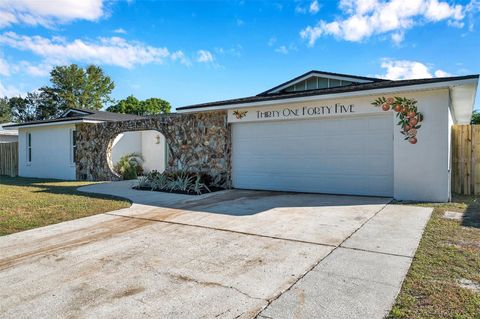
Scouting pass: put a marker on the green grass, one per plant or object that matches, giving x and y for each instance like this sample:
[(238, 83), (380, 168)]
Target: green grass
[(448, 252), (27, 203)]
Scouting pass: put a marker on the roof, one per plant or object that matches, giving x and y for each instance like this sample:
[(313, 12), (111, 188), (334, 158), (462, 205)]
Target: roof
[(81, 115), (322, 73), (380, 84), (7, 132)]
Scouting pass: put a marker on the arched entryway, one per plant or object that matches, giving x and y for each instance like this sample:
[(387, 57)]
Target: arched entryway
[(149, 144)]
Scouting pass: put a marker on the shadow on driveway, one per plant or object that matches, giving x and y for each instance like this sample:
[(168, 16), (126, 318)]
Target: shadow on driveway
[(236, 202)]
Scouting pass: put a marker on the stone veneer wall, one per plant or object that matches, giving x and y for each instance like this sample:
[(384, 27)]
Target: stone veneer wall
[(199, 142)]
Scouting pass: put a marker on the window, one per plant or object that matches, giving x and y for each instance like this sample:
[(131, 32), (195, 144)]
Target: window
[(74, 145), (29, 147), (312, 83), (334, 83)]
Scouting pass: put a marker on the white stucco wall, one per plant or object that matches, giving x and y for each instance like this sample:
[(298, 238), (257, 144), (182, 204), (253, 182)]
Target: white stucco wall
[(51, 152), (421, 171), (145, 143), (126, 143), (153, 150)]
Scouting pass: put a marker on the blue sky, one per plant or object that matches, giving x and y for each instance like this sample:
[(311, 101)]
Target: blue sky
[(194, 51)]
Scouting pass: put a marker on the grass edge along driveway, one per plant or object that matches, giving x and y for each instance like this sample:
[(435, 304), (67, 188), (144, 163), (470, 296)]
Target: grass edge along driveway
[(27, 203), (446, 264)]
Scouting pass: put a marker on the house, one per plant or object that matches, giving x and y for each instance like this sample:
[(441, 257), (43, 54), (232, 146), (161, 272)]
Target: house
[(47, 148), (8, 136), (320, 132)]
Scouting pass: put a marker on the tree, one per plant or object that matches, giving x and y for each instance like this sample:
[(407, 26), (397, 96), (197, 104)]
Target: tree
[(475, 117), (131, 105), (37, 105), (5, 111), (73, 86)]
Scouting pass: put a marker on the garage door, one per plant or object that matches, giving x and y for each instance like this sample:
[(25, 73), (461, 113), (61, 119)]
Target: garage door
[(338, 156)]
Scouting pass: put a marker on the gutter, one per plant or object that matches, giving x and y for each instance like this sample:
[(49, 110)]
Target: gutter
[(364, 92)]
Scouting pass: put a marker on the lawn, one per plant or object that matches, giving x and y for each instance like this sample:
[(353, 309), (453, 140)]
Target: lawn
[(27, 203), (447, 260)]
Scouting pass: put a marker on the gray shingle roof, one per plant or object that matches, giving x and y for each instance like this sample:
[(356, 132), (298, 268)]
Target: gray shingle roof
[(340, 89), (92, 115)]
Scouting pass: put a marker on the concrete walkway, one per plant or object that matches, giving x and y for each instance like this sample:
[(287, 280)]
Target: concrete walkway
[(232, 254)]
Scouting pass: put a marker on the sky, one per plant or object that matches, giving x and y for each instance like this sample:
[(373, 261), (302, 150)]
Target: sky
[(189, 52)]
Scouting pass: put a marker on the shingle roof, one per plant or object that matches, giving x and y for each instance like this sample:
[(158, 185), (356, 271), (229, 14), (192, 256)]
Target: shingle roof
[(92, 115), (340, 89)]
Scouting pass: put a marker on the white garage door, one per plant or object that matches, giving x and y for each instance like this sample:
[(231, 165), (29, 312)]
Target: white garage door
[(337, 156)]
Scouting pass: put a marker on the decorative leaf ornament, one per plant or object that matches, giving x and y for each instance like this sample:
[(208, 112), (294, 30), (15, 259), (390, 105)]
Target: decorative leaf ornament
[(240, 114), (407, 113)]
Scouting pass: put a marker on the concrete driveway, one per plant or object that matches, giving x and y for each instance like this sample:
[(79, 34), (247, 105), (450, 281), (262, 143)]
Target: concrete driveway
[(232, 254)]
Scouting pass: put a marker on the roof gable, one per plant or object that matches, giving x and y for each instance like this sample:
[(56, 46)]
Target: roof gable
[(74, 113), (318, 80)]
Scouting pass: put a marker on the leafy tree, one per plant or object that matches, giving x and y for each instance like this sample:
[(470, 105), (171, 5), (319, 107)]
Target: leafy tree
[(37, 105), (73, 86), (5, 111), (475, 117), (131, 105)]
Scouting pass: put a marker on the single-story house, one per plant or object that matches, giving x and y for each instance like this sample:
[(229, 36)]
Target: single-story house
[(8, 136), (47, 147), (320, 132)]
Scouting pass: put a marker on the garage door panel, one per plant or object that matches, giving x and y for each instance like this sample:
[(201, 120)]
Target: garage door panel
[(333, 184), (344, 156), (371, 165)]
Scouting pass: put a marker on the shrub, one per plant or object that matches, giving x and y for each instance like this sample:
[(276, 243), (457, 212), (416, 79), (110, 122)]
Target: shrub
[(159, 182), (178, 181), (144, 182), (129, 166)]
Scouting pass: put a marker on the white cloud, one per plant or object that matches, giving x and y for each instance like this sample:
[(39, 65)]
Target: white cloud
[(365, 18), (204, 56), (405, 69), (48, 13), (4, 67), (9, 90), (272, 41), (397, 37), (283, 49), (300, 9), (233, 51), (180, 56), (120, 31), (111, 51), (314, 7), (441, 74)]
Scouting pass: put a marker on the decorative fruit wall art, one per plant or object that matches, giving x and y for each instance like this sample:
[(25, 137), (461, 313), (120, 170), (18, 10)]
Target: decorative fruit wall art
[(407, 113)]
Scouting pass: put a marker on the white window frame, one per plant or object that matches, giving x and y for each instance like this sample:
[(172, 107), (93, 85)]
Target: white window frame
[(73, 146), (28, 149)]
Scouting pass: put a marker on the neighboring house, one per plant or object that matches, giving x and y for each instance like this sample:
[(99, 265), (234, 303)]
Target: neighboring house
[(47, 148), (8, 136)]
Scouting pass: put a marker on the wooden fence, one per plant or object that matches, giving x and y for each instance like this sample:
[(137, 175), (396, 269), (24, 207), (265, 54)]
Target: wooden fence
[(9, 159), (466, 159)]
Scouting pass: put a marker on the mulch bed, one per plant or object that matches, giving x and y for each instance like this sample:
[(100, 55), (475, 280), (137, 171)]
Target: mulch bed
[(212, 190)]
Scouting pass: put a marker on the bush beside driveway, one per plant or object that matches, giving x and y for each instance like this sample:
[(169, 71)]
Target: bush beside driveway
[(28, 203)]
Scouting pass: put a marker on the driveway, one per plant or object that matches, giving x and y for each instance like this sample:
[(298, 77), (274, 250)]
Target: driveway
[(231, 254)]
